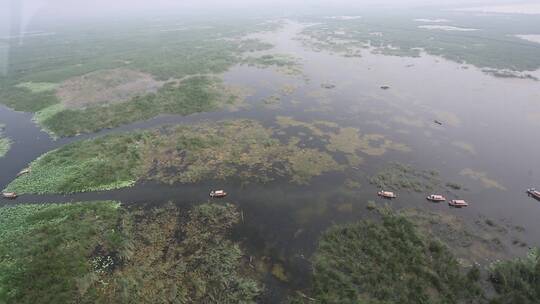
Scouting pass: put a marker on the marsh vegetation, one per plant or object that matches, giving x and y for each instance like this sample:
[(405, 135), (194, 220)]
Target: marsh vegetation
[(101, 252)]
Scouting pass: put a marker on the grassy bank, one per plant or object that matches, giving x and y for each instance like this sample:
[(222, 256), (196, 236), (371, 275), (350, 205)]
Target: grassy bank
[(240, 149), (100, 252)]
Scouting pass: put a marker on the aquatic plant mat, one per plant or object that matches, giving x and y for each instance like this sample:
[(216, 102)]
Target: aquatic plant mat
[(242, 149), (101, 252)]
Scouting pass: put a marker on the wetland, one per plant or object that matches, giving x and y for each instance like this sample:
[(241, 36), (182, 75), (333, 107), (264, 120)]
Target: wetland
[(124, 142)]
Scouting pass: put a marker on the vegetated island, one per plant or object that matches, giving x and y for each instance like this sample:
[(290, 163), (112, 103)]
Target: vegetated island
[(103, 252), (241, 149)]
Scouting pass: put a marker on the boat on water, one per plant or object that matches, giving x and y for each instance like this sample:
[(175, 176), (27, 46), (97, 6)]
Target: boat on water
[(458, 203), (533, 193), (9, 195), (218, 193), (438, 122), (385, 87), (436, 198), (387, 194)]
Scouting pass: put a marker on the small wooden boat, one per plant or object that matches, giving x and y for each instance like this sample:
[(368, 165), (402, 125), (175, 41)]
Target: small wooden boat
[(9, 195), (533, 193), (458, 203), (23, 171), (387, 194), (436, 198), (218, 193), (438, 122), (385, 87)]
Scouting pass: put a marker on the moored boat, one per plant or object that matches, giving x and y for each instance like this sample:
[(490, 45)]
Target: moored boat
[(534, 193), (9, 195), (387, 194), (436, 198), (385, 87), (458, 203), (218, 193)]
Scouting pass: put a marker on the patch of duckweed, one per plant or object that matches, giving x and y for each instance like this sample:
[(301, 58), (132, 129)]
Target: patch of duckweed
[(466, 147), (399, 176), (483, 178)]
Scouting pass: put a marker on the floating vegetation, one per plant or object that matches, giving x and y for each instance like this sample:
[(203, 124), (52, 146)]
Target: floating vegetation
[(471, 243), (399, 176), (465, 147), (5, 143), (448, 118), (371, 262), (346, 140), (284, 63), (241, 149), (483, 178), (99, 252)]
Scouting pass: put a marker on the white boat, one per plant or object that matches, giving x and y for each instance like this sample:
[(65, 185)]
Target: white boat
[(387, 194), (9, 195), (534, 193), (458, 203), (218, 193), (436, 198)]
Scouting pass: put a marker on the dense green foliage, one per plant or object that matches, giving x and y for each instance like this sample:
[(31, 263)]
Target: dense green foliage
[(99, 252), (100, 164), (388, 262), (517, 281), (196, 94), (44, 249)]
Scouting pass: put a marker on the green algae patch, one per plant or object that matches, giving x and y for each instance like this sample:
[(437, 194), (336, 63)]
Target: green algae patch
[(387, 262), (5, 143), (101, 252), (483, 178)]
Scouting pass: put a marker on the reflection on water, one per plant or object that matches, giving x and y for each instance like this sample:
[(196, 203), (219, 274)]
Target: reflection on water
[(487, 138)]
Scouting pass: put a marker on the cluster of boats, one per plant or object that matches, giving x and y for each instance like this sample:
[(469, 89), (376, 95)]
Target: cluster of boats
[(432, 197)]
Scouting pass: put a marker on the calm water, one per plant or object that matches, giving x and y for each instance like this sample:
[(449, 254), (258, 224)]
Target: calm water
[(498, 118)]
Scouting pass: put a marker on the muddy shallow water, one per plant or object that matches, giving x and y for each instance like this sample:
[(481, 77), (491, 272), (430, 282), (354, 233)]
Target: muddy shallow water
[(489, 126)]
